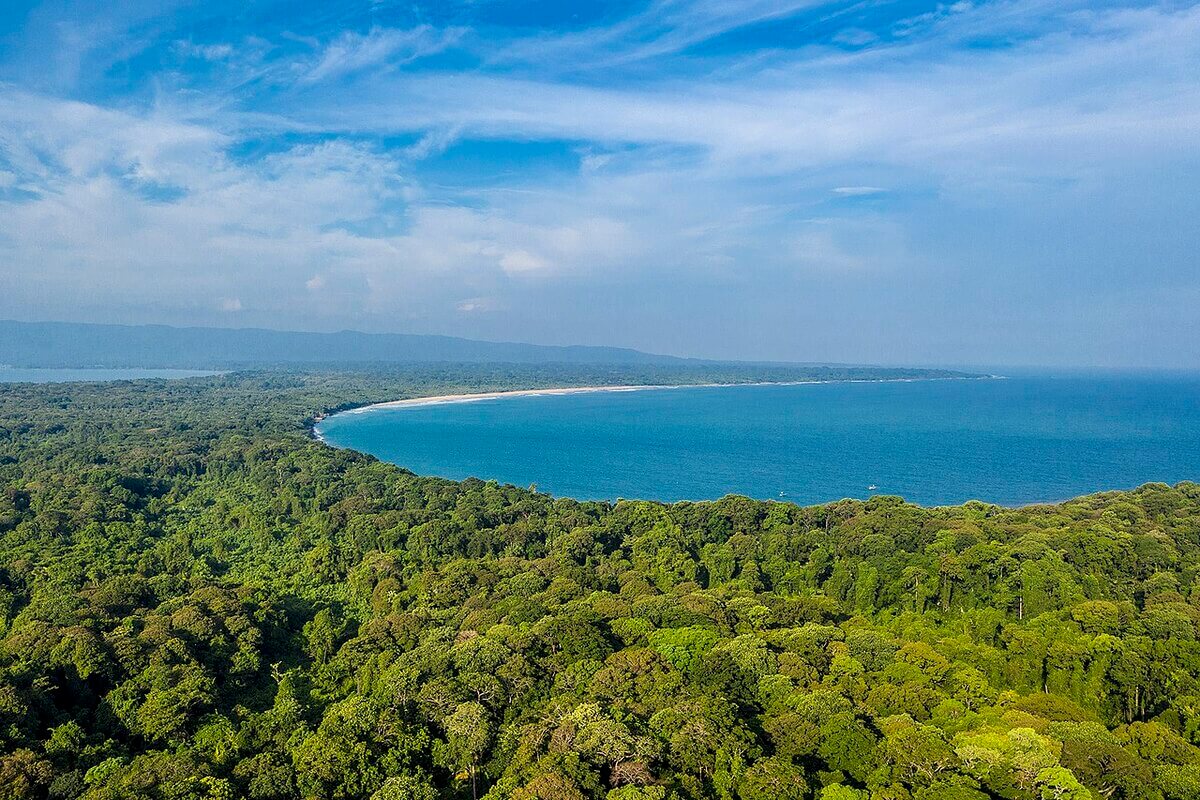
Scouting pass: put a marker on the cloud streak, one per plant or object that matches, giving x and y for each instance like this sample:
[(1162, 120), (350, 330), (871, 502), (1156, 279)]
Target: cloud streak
[(352, 52)]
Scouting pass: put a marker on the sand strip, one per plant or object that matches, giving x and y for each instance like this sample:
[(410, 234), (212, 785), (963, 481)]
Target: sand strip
[(417, 402)]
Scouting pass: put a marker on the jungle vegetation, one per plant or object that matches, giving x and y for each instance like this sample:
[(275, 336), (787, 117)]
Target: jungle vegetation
[(198, 600)]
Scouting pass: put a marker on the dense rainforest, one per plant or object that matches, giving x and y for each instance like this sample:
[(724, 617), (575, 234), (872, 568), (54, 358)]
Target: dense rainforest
[(198, 600)]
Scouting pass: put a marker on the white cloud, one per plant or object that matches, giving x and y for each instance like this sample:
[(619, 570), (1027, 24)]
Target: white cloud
[(351, 52), (262, 235), (433, 143), (475, 305), (252, 228), (522, 262), (50, 140), (208, 52), (855, 37), (858, 191)]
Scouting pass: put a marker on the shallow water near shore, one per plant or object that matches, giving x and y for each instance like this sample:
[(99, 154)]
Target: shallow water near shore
[(1023, 439)]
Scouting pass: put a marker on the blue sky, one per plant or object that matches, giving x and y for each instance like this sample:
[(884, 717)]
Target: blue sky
[(1012, 182)]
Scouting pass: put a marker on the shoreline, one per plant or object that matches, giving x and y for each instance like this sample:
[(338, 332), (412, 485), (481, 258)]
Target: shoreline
[(474, 397), (468, 397)]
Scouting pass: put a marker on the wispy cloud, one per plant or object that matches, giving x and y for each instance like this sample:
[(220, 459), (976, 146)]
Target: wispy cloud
[(858, 191), (664, 28), (1053, 97), (351, 52), (208, 52)]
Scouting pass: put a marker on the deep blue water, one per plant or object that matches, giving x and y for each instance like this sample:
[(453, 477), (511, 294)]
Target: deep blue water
[(1012, 441), (20, 375)]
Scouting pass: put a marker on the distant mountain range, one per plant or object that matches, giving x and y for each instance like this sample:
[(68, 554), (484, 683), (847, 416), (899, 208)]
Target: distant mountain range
[(71, 344), (81, 345)]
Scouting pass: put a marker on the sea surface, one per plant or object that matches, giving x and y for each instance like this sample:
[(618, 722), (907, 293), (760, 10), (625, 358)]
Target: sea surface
[(18, 375), (1021, 439)]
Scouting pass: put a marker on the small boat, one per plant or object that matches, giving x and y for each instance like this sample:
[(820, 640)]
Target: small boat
[(783, 494), (872, 488)]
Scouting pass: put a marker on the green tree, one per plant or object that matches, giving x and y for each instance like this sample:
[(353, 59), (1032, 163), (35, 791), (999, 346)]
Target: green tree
[(468, 733)]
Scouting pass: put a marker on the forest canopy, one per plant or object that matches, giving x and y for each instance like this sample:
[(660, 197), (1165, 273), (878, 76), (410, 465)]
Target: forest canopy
[(199, 600)]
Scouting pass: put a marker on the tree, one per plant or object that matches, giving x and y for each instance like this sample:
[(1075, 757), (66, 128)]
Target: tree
[(406, 787), (23, 775), (468, 734), (773, 779), (847, 746), (321, 634), (1057, 783), (840, 792)]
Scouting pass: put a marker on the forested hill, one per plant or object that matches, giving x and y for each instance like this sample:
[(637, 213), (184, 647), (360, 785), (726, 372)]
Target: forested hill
[(198, 600)]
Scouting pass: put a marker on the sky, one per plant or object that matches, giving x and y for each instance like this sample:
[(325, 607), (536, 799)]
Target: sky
[(1006, 182)]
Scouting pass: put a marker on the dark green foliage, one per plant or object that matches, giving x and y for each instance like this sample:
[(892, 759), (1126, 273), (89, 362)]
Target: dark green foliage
[(197, 600)]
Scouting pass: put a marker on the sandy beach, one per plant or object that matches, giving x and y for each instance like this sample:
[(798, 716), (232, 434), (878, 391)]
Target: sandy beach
[(416, 402), (473, 397)]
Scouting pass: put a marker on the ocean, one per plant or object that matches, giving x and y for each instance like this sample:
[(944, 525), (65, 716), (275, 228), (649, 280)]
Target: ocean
[(1023, 439)]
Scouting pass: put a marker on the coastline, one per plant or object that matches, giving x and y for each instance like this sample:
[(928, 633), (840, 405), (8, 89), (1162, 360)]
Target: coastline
[(1020, 500), (474, 397)]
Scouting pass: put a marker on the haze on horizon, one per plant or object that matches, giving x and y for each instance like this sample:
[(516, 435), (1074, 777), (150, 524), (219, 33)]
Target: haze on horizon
[(1009, 182)]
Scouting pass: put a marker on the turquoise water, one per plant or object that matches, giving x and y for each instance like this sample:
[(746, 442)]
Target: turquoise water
[(18, 375), (1012, 441)]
